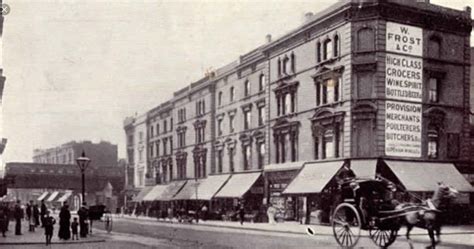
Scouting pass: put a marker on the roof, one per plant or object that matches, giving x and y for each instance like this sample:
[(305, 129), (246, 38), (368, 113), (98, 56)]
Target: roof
[(424, 176), (313, 177), (238, 185)]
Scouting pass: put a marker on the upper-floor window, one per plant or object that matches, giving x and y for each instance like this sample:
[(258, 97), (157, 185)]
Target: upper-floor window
[(220, 159), (151, 131), (181, 138), (165, 146), (165, 126), (261, 154), (327, 49), (261, 82), (261, 115), (219, 127), (286, 103), (287, 64), (231, 123), (200, 107), (232, 93), (247, 88), (318, 51), (151, 150), (247, 151), (219, 99), (182, 115), (336, 46), (328, 91), (157, 147), (157, 129), (434, 47), (140, 136), (200, 134), (433, 143), (247, 119), (433, 90)]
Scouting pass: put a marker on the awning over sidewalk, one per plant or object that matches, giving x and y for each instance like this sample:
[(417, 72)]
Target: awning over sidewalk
[(42, 196), (171, 190), (155, 192), (364, 168), (142, 194), (209, 186), (238, 185), (189, 191), (65, 197), (313, 177), (424, 176), (283, 166), (53, 196)]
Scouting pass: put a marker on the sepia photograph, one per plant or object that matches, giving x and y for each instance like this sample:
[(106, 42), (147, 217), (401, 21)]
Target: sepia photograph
[(236, 124)]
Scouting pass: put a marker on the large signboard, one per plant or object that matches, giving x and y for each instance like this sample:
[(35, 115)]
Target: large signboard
[(404, 78), (403, 129), (404, 39), (404, 89)]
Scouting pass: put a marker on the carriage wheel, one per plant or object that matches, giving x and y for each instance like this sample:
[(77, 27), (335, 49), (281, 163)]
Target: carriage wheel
[(383, 238), (346, 225)]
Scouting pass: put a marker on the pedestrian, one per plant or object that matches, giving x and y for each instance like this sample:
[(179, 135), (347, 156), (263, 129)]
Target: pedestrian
[(48, 224), (43, 210), (64, 222), (36, 215), (29, 216), (271, 214), (83, 215), (204, 212), (74, 226), (241, 214), (3, 219), (8, 213), (18, 215)]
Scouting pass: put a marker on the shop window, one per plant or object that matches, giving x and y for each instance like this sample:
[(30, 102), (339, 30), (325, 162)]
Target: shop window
[(365, 39), (433, 143), (433, 90)]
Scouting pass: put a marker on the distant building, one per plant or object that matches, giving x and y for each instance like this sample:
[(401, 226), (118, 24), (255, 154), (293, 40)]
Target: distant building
[(56, 183), (103, 154)]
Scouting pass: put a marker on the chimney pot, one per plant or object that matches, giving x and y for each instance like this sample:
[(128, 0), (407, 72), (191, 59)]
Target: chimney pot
[(268, 38)]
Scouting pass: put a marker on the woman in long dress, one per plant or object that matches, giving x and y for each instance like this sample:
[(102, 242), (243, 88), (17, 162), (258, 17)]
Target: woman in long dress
[(64, 223)]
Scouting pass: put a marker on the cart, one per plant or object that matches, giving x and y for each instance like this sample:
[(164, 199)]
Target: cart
[(367, 204)]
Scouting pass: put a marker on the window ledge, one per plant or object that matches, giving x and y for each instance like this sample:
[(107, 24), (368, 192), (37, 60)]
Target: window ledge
[(288, 115)]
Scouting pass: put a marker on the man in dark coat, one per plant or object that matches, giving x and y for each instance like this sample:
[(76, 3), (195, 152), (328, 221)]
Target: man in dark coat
[(36, 215), (83, 214), (43, 211), (18, 215), (3, 219), (64, 222), (48, 224)]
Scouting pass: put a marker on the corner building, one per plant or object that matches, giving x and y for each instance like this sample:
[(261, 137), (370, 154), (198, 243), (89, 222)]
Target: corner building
[(381, 86)]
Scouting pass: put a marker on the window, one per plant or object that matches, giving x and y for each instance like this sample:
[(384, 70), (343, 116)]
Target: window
[(328, 144), (151, 149), (328, 49), (231, 160), (165, 126), (157, 129), (261, 155), (365, 39), (336, 46), (219, 99), (286, 143), (182, 115), (165, 144), (247, 119), (293, 63), (316, 147), (232, 92), (246, 154), (286, 103), (220, 158), (279, 66), (433, 142), (328, 91), (261, 82), (151, 131), (219, 127), (140, 136), (433, 90), (157, 147), (171, 144), (434, 47), (285, 65), (181, 138), (318, 51), (231, 123), (200, 107), (261, 115), (247, 88)]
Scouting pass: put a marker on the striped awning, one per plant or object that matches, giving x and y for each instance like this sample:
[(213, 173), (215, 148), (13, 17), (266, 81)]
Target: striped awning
[(64, 197), (53, 196), (42, 196)]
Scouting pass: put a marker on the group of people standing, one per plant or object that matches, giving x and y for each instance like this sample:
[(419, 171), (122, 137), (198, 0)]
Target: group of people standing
[(41, 216)]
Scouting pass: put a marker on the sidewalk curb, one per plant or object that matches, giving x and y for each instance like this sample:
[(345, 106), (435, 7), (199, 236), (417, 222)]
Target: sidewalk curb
[(56, 243), (303, 232)]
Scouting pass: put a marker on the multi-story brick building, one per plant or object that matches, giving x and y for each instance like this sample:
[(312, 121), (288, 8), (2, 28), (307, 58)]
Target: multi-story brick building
[(382, 86), (140, 150), (101, 154)]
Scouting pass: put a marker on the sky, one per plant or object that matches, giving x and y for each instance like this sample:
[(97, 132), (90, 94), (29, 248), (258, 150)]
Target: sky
[(76, 68)]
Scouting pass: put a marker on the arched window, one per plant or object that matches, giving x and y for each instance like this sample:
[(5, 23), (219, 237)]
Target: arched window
[(286, 66), (336, 46), (433, 143), (219, 99), (261, 82), (328, 49), (365, 39)]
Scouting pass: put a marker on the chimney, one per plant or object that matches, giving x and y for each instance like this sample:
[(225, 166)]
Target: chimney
[(268, 38), (468, 10), (308, 16)]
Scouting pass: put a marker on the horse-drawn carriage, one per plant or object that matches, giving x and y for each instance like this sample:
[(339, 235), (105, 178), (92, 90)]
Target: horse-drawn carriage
[(369, 204)]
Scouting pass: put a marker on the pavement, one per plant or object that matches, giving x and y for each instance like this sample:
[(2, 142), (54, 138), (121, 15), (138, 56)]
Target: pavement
[(37, 237), (294, 227)]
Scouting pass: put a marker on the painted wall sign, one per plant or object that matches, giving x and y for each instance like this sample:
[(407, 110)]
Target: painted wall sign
[(404, 78), (403, 124), (404, 39)]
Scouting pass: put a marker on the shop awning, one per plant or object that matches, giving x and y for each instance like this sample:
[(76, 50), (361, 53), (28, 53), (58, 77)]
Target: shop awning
[(313, 177), (238, 185), (53, 196), (190, 191), (364, 168), (171, 190), (283, 166), (42, 196), (210, 186), (64, 197), (142, 194), (155, 192), (424, 176)]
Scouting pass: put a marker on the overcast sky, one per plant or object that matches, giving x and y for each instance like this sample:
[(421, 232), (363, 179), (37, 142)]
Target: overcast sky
[(75, 69)]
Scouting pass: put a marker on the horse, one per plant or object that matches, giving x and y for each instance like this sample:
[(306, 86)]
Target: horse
[(427, 214)]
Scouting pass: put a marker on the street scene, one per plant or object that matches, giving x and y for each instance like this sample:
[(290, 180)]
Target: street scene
[(236, 124)]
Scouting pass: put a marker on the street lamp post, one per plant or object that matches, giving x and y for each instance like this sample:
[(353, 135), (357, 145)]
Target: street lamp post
[(83, 163)]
